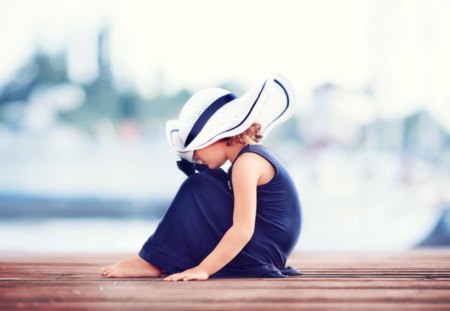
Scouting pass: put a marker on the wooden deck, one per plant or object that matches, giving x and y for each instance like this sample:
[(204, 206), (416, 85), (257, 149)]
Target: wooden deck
[(412, 280)]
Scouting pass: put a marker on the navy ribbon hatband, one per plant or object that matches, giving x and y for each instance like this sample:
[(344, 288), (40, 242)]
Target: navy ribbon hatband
[(206, 115)]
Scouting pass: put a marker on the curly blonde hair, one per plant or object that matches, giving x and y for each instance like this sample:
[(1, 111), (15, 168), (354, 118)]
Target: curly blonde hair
[(254, 132)]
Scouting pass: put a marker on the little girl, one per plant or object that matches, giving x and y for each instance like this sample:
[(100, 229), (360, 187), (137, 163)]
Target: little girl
[(240, 223)]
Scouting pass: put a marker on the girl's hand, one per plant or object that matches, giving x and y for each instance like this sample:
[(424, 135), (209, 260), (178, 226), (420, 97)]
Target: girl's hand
[(195, 273)]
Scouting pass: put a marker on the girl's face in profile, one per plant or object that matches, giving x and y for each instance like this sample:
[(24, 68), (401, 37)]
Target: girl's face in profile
[(213, 155)]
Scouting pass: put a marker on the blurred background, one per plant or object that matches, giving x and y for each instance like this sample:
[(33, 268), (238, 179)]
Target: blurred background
[(86, 88)]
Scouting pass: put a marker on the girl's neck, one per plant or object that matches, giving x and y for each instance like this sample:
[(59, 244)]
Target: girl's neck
[(233, 150)]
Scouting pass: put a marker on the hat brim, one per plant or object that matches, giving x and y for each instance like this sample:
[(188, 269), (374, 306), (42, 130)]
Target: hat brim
[(269, 103), (175, 141)]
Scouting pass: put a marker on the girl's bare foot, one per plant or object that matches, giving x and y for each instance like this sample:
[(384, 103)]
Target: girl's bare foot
[(131, 267)]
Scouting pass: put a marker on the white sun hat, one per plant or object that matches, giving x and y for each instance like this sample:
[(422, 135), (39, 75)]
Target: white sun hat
[(214, 113)]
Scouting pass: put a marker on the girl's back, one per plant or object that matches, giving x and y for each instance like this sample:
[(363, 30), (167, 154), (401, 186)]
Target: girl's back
[(278, 215)]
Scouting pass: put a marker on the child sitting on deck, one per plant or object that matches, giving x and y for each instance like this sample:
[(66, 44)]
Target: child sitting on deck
[(240, 223)]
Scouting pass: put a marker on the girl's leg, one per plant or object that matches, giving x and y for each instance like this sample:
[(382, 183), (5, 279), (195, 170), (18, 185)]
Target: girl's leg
[(196, 220), (175, 226)]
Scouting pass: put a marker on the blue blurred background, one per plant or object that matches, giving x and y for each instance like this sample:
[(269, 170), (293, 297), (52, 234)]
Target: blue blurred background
[(86, 88)]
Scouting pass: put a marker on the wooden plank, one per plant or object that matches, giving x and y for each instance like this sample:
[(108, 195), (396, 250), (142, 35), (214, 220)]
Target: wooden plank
[(238, 306), (410, 280)]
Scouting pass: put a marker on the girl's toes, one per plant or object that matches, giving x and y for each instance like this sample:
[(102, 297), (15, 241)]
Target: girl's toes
[(110, 274), (105, 271)]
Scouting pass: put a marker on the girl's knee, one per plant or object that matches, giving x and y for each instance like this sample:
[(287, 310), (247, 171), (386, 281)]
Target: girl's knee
[(197, 180)]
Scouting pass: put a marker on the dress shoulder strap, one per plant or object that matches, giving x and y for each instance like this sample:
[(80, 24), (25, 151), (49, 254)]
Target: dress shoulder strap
[(259, 149)]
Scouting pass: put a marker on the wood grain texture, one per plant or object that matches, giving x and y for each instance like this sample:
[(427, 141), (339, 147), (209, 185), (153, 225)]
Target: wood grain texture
[(406, 280)]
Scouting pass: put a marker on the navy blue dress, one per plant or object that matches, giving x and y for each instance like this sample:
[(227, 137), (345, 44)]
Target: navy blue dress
[(202, 211)]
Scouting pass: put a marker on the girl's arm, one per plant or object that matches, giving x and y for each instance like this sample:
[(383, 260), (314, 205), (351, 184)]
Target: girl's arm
[(246, 173), (244, 178)]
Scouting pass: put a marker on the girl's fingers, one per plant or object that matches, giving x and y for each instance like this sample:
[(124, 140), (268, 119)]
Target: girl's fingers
[(174, 277), (180, 276)]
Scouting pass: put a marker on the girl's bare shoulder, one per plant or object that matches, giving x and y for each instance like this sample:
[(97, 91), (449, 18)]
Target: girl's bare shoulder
[(254, 167)]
